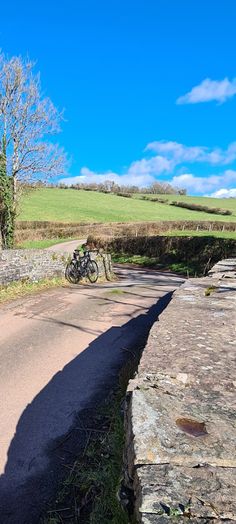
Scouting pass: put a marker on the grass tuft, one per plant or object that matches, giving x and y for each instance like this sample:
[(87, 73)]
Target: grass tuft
[(210, 290)]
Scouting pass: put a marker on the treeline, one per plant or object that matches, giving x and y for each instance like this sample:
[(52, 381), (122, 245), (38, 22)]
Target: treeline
[(109, 186)]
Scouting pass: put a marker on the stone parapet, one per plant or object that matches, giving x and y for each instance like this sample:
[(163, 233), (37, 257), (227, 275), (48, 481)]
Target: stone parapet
[(36, 264), (30, 264), (224, 269), (180, 417)]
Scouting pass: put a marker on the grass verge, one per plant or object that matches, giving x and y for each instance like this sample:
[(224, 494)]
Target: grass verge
[(41, 244), (22, 288), (90, 492), (188, 233), (152, 262), (141, 260)]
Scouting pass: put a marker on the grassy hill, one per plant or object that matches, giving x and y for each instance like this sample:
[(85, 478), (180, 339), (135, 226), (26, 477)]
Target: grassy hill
[(69, 205)]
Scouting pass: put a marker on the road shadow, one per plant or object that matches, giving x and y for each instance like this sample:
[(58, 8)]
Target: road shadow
[(47, 436)]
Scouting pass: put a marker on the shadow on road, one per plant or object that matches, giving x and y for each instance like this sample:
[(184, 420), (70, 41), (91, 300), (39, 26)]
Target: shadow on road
[(46, 437)]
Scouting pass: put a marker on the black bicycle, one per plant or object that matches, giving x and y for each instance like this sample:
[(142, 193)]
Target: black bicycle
[(81, 266)]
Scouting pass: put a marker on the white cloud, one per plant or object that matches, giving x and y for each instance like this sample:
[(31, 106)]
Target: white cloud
[(208, 186), (179, 153), (224, 193), (208, 90), (192, 183), (88, 177), (155, 166), (205, 185)]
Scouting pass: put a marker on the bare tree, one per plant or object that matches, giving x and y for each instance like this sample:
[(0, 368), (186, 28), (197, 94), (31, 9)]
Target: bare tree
[(27, 120)]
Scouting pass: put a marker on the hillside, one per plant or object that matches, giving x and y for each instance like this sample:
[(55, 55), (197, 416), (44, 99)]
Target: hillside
[(68, 205)]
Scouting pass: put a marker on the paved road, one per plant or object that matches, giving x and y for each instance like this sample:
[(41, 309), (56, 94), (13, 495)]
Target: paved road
[(67, 247), (60, 352)]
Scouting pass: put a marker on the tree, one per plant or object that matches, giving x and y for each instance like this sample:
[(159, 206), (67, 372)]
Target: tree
[(27, 119), (162, 188), (7, 213)]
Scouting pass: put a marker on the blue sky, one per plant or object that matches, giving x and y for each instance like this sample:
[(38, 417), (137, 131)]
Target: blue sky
[(148, 86)]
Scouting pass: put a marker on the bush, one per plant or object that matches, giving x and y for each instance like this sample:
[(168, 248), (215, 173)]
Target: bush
[(126, 195), (198, 207), (199, 252), (155, 199)]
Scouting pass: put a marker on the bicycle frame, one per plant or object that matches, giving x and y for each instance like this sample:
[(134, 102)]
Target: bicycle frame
[(81, 266), (82, 261)]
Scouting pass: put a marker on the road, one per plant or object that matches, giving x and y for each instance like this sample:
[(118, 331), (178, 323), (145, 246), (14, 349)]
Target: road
[(61, 351), (67, 247)]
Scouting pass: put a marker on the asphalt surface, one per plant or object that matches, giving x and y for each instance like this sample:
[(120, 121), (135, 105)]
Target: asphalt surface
[(67, 247), (61, 351)]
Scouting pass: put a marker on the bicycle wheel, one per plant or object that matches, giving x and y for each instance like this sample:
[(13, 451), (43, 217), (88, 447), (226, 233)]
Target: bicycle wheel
[(92, 271), (72, 273)]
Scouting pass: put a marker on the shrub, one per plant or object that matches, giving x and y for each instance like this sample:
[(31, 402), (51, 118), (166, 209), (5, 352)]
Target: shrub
[(126, 195), (198, 207), (200, 252), (155, 199)]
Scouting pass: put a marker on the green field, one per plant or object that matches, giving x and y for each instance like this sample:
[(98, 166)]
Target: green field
[(69, 205)]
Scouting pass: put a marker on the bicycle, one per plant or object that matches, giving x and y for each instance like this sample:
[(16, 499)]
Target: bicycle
[(81, 266)]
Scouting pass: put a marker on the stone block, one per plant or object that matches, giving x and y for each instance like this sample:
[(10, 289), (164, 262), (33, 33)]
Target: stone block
[(186, 493)]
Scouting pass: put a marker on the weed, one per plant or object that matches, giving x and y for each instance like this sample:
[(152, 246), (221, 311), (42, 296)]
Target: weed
[(116, 292), (210, 290)]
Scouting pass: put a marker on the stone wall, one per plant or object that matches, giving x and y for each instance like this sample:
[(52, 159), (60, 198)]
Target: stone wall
[(104, 263), (180, 416), (30, 264), (36, 264)]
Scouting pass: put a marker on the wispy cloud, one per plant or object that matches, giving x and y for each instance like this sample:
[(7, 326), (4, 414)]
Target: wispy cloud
[(209, 90)]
